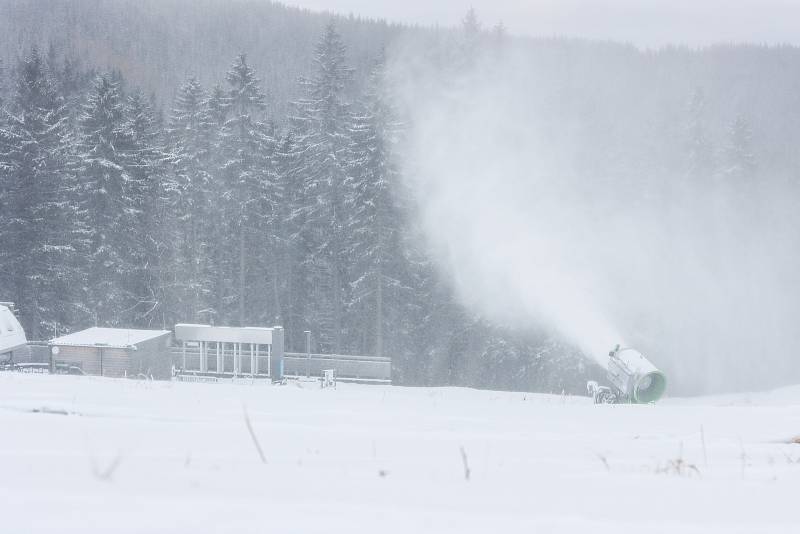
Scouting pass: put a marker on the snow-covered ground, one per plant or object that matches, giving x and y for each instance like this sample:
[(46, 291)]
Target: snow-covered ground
[(85, 454)]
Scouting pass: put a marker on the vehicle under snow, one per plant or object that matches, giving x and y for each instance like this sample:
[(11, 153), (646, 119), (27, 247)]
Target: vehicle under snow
[(12, 336)]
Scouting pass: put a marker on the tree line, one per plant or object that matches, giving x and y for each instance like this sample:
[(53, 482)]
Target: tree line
[(233, 204), (115, 213)]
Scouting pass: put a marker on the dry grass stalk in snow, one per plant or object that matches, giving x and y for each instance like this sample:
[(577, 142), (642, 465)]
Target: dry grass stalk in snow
[(253, 435)]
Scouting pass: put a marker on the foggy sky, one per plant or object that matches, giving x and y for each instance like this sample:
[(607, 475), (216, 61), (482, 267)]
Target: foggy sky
[(645, 23)]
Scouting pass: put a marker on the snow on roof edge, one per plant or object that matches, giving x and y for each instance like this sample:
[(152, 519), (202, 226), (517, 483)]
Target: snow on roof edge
[(108, 337)]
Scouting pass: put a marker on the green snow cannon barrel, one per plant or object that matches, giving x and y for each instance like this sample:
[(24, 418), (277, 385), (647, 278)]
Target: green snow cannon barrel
[(634, 378)]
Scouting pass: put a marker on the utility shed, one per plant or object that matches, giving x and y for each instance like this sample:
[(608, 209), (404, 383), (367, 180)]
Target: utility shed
[(115, 352)]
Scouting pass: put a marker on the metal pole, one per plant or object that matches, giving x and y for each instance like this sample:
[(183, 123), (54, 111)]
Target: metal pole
[(237, 363), (308, 353), (277, 352)]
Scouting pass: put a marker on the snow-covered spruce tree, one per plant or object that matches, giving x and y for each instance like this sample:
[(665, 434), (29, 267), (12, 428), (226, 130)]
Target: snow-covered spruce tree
[(286, 255), (271, 269), (470, 40), (222, 264), (73, 80), (739, 158), (191, 134), (700, 150), (738, 185), (2, 83), (37, 217), (111, 203), (218, 106), (247, 147), (378, 271), (322, 143), (153, 192)]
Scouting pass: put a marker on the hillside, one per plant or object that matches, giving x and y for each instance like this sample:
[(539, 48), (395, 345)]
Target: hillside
[(157, 43)]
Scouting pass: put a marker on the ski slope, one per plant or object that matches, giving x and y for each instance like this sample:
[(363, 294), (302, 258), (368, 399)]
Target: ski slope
[(93, 455)]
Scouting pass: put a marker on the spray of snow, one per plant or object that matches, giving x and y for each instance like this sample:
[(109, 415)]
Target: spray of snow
[(527, 236)]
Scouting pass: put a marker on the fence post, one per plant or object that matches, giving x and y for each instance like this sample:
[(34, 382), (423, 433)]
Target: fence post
[(277, 353), (308, 353)]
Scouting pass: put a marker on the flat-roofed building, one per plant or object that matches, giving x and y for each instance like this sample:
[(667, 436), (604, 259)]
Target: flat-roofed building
[(115, 352), (226, 350)]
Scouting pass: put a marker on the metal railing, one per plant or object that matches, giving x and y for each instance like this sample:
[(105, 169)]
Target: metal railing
[(348, 367)]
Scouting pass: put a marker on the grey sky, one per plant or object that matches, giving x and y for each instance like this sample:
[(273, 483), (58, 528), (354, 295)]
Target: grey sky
[(642, 22)]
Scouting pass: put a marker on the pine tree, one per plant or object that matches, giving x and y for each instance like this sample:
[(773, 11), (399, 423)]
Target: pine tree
[(221, 261), (109, 201), (37, 226), (701, 161), (470, 25), (218, 106), (740, 160), (287, 255), (247, 146), (322, 135), (192, 133), (152, 193), (499, 33), (374, 223), (2, 83), (471, 33), (273, 213)]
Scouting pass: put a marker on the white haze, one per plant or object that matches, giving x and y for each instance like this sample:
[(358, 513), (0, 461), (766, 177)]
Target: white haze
[(644, 23), (703, 280)]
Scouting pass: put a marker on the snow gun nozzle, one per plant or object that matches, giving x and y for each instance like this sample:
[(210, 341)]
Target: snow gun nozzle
[(634, 379)]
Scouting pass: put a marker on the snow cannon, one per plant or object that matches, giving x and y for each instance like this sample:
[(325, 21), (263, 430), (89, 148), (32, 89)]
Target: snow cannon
[(633, 379)]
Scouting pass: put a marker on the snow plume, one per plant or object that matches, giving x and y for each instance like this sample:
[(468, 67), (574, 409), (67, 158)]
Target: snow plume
[(543, 200)]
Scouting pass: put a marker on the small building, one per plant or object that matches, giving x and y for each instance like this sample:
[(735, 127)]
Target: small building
[(233, 351), (225, 351), (114, 352)]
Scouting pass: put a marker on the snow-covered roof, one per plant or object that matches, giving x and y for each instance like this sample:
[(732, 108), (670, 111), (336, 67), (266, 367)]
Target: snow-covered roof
[(223, 334), (108, 337)]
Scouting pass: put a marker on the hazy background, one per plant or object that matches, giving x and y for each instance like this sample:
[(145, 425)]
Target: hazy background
[(549, 198), (645, 23)]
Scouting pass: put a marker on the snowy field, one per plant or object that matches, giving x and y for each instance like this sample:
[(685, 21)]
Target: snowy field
[(86, 454)]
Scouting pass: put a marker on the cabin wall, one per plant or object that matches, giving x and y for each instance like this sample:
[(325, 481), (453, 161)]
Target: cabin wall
[(152, 358), (113, 362)]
